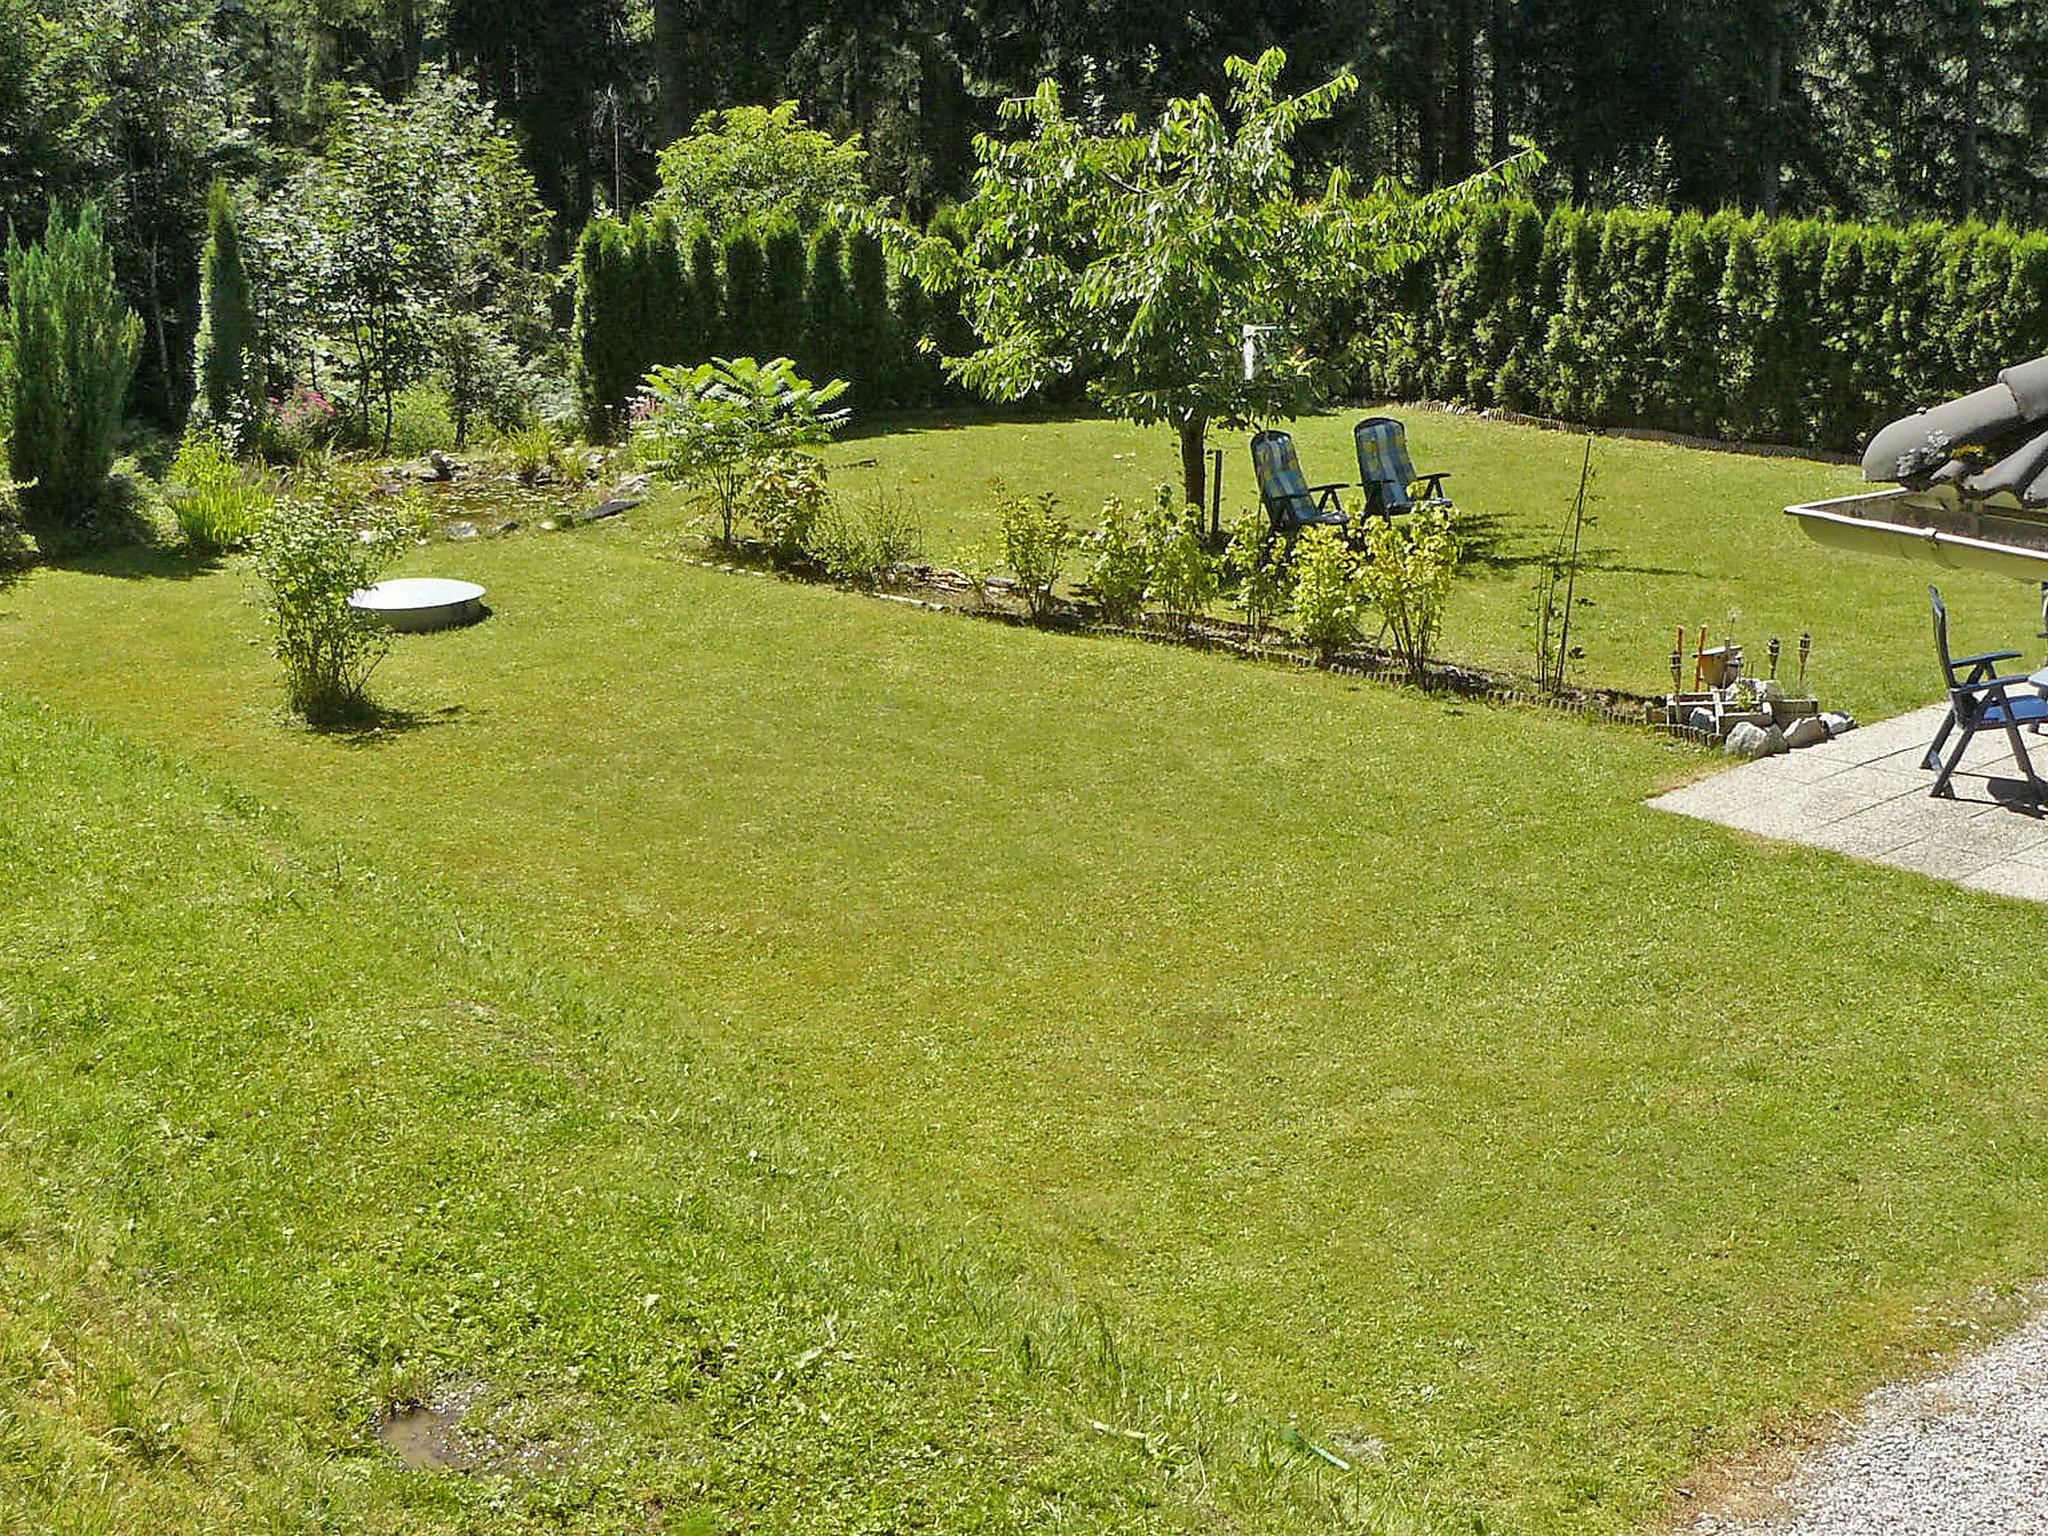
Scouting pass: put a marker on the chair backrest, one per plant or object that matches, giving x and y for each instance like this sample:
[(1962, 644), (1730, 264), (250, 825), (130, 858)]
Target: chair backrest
[(1941, 650), (1282, 486), (1384, 466)]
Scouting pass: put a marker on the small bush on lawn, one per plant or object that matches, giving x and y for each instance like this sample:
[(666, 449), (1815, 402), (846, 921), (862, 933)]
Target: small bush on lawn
[(1407, 575), (785, 501), (1257, 567), (712, 427), (861, 548), (1037, 538), (1119, 562), (315, 547), (1327, 595), (217, 503), (1184, 577)]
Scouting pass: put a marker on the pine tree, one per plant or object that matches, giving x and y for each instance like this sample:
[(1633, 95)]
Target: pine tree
[(228, 351), (70, 346)]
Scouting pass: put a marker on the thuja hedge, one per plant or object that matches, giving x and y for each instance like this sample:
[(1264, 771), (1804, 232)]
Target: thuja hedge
[(1795, 331), (650, 291)]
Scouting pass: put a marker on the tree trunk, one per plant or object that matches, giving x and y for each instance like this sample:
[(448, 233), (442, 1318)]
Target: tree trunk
[(1194, 461), (671, 43), (1464, 97), (1501, 81), (1774, 95), (1967, 156)]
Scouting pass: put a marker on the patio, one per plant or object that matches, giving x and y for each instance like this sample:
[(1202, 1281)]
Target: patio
[(1865, 794)]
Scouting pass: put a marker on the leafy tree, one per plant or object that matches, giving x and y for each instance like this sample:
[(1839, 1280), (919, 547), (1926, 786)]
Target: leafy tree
[(418, 211), (69, 345), (761, 162), (1134, 258), (715, 427), (228, 365)]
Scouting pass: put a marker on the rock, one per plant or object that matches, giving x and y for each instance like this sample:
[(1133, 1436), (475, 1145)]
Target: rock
[(1837, 722), (438, 467), (610, 507), (1806, 731), (1701, 719), (456, 532), (1773, 691), (1748, 740), (510, 525), (632, 485)]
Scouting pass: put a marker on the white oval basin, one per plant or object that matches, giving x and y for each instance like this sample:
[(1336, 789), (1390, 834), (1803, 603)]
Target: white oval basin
[(414, 603)]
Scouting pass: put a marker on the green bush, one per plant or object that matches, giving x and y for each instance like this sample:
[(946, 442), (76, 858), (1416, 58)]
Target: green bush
[(1260, 575), (1790, 330), (1184, 577), (785, 502), (862, 548), (68, 344), (1406, 573), (1328, 603), (1037, 538), (315, 547), (217, 503), (1119, 562)]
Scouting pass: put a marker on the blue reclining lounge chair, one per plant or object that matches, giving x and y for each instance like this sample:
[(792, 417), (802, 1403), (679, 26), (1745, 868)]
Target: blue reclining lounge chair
[(1387, 471), (1292, 504), (1979, 700)]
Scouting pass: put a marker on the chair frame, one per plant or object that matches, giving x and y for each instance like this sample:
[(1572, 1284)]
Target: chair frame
[(1978, 700), (1329, 507), (1432, 484)]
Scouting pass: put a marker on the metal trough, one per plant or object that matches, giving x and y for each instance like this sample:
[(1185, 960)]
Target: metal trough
[(414, 604), (1933, 527)]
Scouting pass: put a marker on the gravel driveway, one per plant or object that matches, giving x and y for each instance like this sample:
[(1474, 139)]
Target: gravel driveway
[(1960, 1454)]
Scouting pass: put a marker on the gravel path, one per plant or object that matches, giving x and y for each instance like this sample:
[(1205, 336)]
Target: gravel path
[(1960, 1454)]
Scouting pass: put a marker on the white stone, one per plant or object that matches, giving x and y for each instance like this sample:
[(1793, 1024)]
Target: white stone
[(1806, 731), (1747, 740), (1837, 722)]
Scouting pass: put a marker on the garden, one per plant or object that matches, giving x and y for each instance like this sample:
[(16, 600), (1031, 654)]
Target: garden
[(931, 960)]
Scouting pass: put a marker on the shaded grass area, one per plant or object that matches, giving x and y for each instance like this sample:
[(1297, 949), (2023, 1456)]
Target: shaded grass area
[(1682, 536), (1373, 1063)]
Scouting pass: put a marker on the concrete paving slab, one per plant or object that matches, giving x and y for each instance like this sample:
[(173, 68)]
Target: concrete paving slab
[(1865, 794)]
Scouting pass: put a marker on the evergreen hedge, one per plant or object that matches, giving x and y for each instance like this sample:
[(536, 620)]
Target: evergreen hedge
[(650, 292), (1799, 331)]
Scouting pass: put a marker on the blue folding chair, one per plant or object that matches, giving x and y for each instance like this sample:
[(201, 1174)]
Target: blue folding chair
[(1978, 700), (1387, 471), (1292, 504)]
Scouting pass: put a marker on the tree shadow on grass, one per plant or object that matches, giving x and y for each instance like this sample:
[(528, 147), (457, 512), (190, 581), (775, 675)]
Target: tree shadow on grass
[(372, 725), (137, 562)]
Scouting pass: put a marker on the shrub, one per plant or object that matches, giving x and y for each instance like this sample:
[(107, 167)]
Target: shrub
[(1184, 577), (70, 345), (714, 426), (535, 450), (862, 548), (1407, 575), (1327, 599), (314, 548), (1119, 563), (218, 505), (228, 350), (301, 423), (1258, 569), (785, 501), (1037, 538)]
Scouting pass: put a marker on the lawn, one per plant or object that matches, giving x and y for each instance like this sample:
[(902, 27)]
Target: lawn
[(811, 1062)]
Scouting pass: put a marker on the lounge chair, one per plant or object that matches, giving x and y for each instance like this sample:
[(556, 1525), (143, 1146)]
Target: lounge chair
[(1979, 700), (1387, 472), (1292, 504)]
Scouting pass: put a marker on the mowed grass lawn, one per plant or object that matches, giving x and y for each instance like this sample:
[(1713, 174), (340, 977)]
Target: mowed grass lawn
[(1680, 537), (816, 1065)]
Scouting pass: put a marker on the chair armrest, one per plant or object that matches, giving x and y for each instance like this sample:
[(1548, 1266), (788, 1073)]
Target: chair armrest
[(1971, 661), (1432, 484), (1990, 683)]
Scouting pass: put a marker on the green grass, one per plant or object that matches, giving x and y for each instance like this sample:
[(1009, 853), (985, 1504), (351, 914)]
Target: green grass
[(1264, 1048), (1681, 537)]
